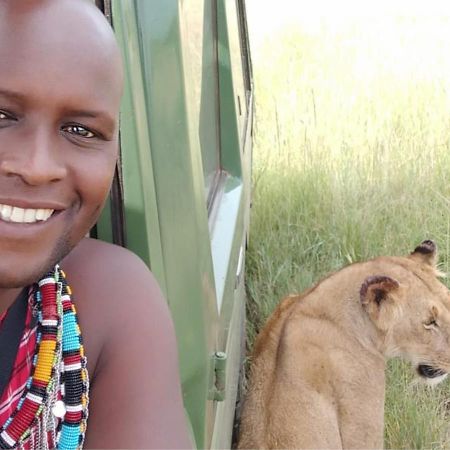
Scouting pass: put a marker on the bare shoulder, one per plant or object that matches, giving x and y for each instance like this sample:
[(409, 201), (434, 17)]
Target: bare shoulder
[(100, 260), (131, 349), (95, 267), (111, 284)]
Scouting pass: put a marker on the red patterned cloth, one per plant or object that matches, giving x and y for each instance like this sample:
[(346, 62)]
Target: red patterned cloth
[(22, 365)]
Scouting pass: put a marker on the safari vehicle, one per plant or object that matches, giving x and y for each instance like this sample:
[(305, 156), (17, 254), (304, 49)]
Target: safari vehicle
[(181, 194)]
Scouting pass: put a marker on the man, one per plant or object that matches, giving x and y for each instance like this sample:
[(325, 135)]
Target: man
[(60, 89)]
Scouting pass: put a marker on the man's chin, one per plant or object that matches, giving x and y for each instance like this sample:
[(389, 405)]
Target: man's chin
[(20, 269), (21, 278)]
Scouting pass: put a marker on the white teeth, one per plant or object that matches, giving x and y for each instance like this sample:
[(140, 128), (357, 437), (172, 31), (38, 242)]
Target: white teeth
[(5, 212), (10, 213), (44, 213), (29, 216), (40, 214), (17, 214)]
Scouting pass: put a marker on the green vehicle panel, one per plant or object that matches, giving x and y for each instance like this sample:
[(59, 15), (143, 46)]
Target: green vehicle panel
[(181, 195)]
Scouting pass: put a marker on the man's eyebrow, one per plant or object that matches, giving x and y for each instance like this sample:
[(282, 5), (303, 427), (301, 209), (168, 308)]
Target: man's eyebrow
[(12, 95), (94, 114)]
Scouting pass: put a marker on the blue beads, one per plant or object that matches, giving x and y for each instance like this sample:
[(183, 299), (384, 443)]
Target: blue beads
[(69, 438), (70, 338)]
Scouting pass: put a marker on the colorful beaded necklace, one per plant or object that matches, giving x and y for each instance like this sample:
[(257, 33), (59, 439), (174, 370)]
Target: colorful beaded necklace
[(54, 404)]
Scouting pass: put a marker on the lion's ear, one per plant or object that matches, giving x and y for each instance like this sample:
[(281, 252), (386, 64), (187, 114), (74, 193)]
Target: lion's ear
[(426, 253), (377, 298), (376, 289)]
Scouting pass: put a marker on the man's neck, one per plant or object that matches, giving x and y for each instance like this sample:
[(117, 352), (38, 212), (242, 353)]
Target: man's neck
[(7, 297)]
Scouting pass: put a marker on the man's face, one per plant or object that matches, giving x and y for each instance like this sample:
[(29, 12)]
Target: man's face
[(60, 86)]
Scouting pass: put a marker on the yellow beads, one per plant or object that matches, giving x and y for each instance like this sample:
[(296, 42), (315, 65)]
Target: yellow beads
[(44, 363)]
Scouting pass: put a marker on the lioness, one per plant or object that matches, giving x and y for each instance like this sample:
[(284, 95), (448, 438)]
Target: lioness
[(317, 376)]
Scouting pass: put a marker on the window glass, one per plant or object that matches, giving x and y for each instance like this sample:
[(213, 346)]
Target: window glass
[(237, 54), (202, 52), (243, 33)]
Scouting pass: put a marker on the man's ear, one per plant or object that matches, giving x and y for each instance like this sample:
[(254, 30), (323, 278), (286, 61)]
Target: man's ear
[(426, 253), (377, 298)]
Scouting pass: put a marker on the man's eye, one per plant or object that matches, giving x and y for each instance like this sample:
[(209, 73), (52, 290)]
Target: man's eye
[(79, 131), (5, 116)]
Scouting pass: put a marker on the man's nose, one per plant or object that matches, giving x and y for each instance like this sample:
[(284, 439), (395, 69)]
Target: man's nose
[(35, 159)]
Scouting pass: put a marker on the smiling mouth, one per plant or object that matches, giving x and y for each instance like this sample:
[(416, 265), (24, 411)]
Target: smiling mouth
[(429, 371), (15, 214)]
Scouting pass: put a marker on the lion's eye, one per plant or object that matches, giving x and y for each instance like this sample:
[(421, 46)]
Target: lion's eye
[(430, 324)]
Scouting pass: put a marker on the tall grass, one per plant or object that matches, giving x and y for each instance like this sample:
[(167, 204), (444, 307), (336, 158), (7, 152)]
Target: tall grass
[(351, 161)]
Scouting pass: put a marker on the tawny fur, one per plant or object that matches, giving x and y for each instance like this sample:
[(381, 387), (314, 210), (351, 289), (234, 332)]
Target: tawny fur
[(317, 375)]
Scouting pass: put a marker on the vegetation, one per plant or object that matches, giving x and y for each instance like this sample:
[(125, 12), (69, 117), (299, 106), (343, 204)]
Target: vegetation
[(351, 161)]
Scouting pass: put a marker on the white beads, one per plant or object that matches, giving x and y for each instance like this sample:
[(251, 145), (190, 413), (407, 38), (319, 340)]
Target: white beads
[(59, 409)]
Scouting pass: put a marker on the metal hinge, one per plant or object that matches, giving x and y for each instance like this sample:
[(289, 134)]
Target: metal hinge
[(217, 393)]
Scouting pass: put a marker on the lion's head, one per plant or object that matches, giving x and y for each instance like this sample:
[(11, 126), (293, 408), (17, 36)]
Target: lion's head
[(411, 309)]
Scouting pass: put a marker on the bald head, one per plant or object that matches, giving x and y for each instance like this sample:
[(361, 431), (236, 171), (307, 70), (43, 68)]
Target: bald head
[(61, 33), (80, 12)]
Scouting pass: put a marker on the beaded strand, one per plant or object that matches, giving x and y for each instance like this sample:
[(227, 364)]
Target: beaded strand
[(59, 369), (74, 375)]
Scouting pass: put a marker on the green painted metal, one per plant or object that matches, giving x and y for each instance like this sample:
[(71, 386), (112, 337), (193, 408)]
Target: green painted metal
[(232, 60), (235, 345), (141, 212), (178, 180), (232, 314), (232, 220), (236, 157), (103, 227), (169, 124)]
